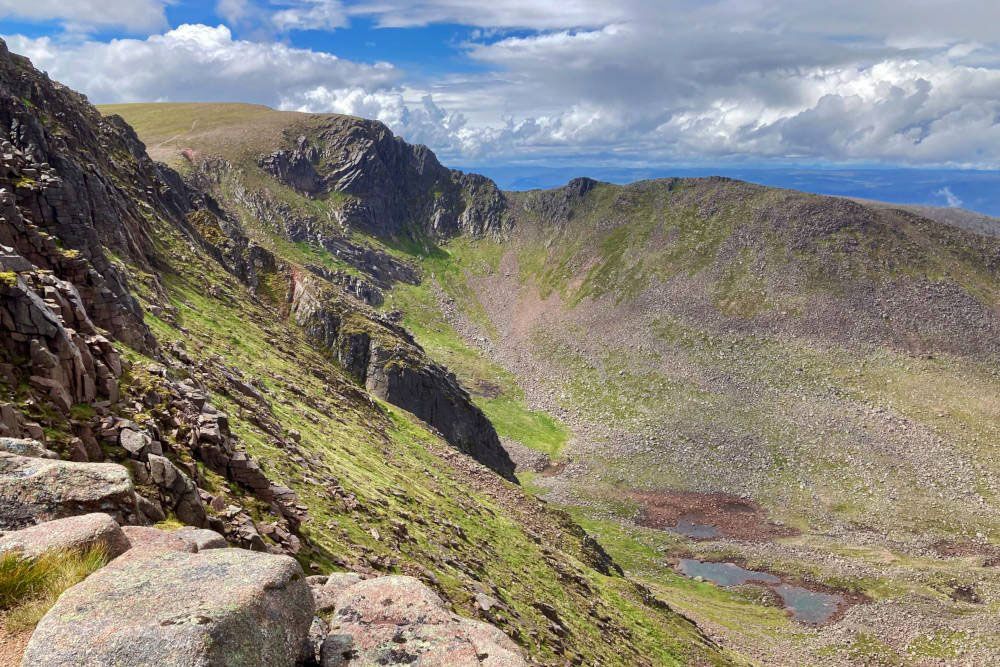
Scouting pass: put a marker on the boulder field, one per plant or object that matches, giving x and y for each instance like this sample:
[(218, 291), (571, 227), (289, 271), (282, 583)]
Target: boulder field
[(184, 598)]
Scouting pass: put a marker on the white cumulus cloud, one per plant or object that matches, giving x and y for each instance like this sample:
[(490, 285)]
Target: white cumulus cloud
[(950, 198), (198, 63)]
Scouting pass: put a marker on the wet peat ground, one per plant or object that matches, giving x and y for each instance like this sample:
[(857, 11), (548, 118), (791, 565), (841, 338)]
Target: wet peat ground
[(706, 515)]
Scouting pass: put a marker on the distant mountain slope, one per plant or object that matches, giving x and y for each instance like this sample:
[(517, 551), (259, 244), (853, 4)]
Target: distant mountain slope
[(774, 260), (977, 190), (378, 183), (957, 217)]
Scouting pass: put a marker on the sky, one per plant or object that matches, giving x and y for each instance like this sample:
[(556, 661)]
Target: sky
[(637, 84)]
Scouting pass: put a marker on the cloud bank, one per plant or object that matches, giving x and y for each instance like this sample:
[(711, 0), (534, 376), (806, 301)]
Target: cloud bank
[(81, 15), (639, 81)]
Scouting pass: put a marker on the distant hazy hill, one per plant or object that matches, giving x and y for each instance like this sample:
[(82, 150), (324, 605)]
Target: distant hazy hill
[(970, 189)]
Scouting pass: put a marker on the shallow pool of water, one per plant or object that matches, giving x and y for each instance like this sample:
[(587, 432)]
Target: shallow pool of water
[(691, 528), (809, 606), (806, 606), (724, 574)]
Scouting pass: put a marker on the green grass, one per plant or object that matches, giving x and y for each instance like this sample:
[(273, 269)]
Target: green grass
[(422, 316), (235, 131), (868, 649), (452, 265), (592, 258), (82, 411), (533, 428), (942, 644), (29, 587)]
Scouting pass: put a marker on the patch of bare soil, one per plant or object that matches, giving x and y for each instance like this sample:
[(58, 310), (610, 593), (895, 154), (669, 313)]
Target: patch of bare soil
[(12, 646), (485, 389), (525, 459), (730, 516), (948, 549), (552, 469)]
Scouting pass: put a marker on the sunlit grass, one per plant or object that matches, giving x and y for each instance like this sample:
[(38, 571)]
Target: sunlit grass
[(29, 587)]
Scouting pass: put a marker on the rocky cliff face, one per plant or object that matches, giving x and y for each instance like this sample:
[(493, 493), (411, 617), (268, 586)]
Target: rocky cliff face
[(76, 190), (388, 362), (390, 188), (378, 353), (73, 179)]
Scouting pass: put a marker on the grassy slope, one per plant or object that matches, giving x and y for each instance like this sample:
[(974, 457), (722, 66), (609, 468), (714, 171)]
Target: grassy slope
[(495, 390), (454, 531), (788, 394), (622, 240), (235, 130)]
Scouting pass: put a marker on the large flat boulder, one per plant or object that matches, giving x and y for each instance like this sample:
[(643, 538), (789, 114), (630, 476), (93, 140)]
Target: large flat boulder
[(76, 533), (325, 592), (34, 490), (222, 607), (397, 620)]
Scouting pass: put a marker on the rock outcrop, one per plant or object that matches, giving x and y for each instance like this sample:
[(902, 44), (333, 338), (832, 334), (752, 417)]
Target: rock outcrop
[(174, 599), (202, 539), (144, 539), (390, 188), (43, 320), (434, 395), (382, 268), (398, 621), (35, 490), (25, 447), (78, 198), (73, 185), (392, 366)]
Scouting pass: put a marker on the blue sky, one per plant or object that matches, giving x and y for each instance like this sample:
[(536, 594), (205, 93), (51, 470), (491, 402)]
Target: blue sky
[(635, 86)]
